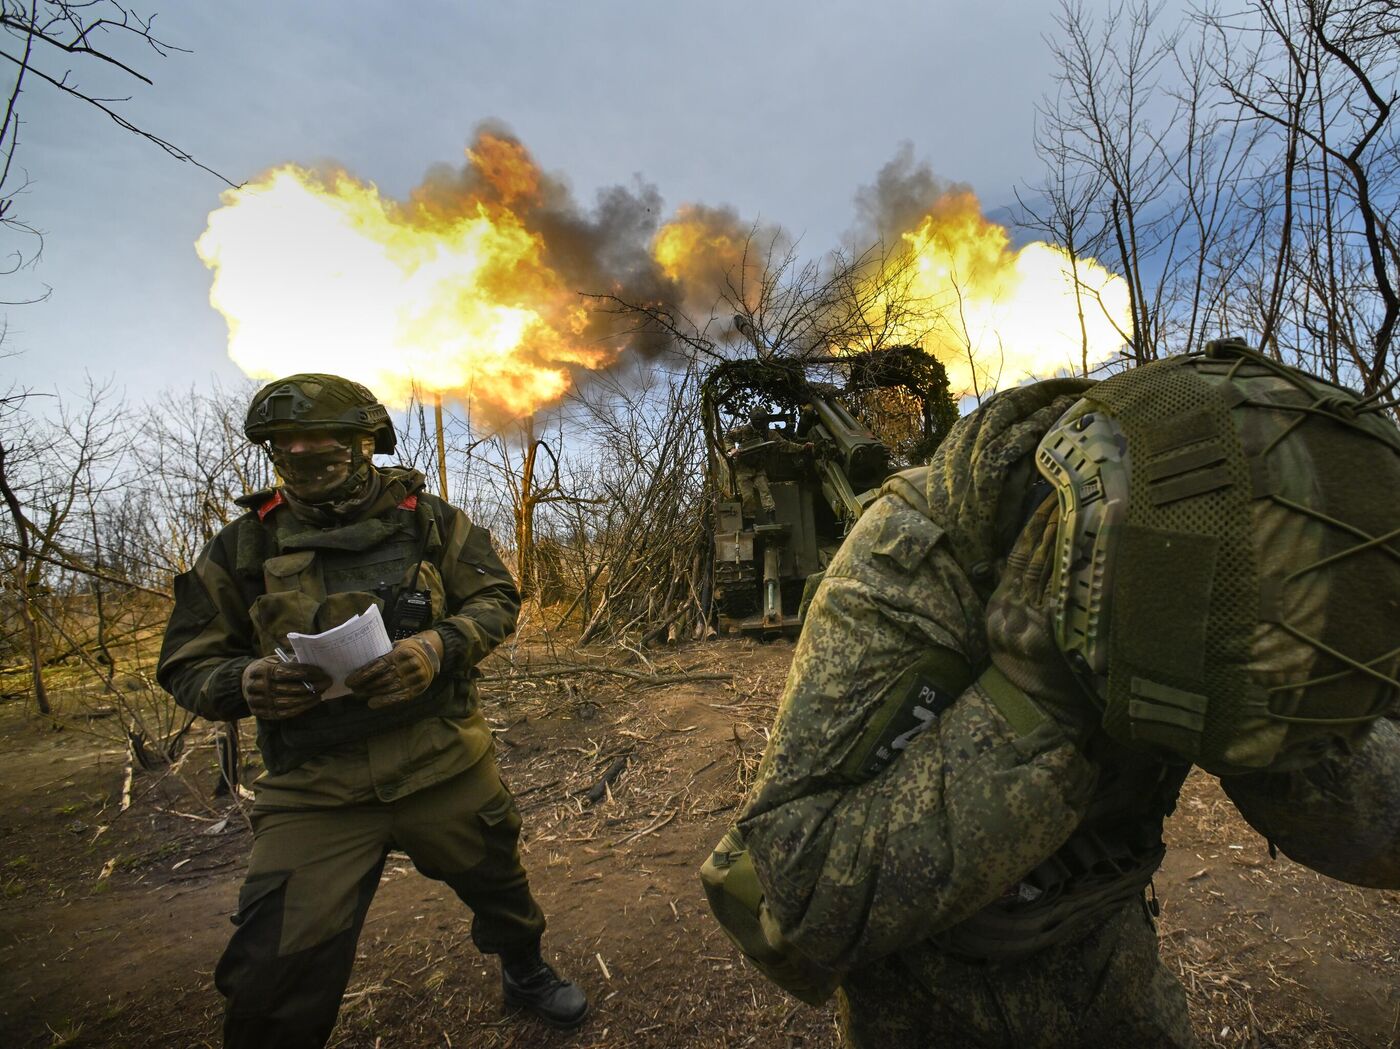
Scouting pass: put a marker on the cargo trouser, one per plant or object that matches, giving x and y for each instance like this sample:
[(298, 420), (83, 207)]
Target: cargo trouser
[(315, 866), (1108, 988)]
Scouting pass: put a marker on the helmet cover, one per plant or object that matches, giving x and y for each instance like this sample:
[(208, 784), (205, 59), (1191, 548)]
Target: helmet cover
[(1228, 566), (318, 401)]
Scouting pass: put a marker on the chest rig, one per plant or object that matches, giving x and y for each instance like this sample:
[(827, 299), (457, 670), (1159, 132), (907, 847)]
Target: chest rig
[(316, 578)]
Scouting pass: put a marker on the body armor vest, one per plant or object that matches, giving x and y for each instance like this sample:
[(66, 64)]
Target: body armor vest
[(316, 578)]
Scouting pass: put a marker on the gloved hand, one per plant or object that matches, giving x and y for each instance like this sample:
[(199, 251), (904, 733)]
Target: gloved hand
[(276, 690), (401, 673), (1021, 628)]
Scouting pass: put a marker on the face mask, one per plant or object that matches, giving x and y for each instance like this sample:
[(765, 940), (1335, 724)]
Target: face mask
[(314, 476)]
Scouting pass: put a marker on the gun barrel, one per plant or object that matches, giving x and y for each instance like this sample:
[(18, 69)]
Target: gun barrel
[(864, 458)]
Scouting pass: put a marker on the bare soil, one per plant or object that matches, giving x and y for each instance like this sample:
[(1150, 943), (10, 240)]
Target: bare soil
[(111, 921)]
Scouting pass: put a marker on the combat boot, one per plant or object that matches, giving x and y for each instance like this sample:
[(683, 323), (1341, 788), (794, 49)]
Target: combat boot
[(529, 982)]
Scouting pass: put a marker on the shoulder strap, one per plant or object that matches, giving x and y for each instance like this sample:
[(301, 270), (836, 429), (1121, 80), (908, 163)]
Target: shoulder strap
[(254, 543), (424, 533)]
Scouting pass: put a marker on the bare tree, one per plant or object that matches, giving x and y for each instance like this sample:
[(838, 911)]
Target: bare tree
[(84, 557), (19, 570), (1318, 79), (531, 476), (1107, 118), (1242, 166), (634, 523), (62, 469), (45, 41), (1065, 210), (197, 459)]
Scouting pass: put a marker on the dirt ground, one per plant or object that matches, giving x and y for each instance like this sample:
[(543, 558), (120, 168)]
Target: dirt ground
[(110, 922)]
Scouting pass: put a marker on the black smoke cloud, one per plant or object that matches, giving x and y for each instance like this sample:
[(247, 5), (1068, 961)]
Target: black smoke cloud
[(904, 191), (604, 250)]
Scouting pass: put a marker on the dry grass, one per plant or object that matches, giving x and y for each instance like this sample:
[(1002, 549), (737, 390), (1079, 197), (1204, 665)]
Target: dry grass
[(626, 768), (1271, 953)]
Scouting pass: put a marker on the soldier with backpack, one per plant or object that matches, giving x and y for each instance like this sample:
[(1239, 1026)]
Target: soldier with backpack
[(1015, 659)]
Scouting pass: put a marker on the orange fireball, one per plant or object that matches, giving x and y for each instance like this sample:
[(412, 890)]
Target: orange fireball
[(995, 315), (321, 272)]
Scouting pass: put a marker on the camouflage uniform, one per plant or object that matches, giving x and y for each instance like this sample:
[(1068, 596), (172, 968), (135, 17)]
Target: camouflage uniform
[(895, 880), (345, 783), (1340, 817)]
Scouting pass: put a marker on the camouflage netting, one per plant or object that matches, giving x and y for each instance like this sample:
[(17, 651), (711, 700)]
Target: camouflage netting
[(901, 393)]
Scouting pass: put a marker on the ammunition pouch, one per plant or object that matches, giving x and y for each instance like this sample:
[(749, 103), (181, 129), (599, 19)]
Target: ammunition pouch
[(326, 577)]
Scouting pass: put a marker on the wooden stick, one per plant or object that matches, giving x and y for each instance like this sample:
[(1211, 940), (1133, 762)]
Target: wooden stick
[(595, 793), (126, 785), (656, 825)]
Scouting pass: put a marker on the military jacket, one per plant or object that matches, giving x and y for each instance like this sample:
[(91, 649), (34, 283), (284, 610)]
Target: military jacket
[(973, 810), (268, 573), (857, 867)]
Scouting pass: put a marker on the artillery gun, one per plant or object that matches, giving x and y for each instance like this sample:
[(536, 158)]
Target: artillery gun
[(791, 467)]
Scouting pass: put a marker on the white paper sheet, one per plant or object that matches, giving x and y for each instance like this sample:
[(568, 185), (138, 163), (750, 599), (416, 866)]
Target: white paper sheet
[(343, 649)]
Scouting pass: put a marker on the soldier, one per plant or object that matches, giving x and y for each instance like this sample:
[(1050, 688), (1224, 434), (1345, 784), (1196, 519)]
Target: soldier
[(1013, 662), (405, 762)]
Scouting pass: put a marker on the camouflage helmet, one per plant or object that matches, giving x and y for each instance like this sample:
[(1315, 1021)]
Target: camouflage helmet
[(1228, 558), (317, 401)]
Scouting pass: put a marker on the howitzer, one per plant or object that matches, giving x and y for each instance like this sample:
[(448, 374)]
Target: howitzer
[(791, 468), (852, 460)]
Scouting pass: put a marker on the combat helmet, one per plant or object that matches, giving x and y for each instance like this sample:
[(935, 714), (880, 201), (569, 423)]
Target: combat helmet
[(1227, 581), (318, 401)]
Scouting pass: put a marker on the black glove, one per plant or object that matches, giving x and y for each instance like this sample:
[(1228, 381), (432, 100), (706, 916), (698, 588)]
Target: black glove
[(276, 690), (1021, 628)]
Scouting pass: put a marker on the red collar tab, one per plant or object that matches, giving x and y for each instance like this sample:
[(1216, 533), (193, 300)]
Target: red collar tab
[(410, 503), (270, 505)]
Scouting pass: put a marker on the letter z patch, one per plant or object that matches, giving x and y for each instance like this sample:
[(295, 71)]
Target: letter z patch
[(926, 701)]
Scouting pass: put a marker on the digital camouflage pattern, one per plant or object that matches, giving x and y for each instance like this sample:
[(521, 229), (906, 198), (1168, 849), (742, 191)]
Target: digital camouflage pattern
[(1021, 637), (1341, 816), (982, 482), (1105, 989), (873, 879), (855, 872)]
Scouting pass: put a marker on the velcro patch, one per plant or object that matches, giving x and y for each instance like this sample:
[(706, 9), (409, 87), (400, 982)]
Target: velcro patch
[(1177, 431), (913, 718), (1189, 485), (910, 705)]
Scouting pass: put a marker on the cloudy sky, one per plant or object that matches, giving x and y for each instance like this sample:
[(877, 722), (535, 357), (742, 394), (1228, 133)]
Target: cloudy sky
[(780, 108)]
